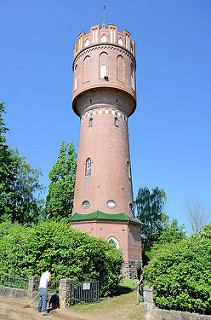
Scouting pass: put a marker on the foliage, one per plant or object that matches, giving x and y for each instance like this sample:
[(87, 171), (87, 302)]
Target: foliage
[(150, 206), (7, 164), (19, 183), (180, 274), (27, 204), (171, 232), (197, 215), (59, 201), (70, 254)]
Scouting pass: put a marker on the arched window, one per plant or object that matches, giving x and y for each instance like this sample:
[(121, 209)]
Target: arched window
[(90, 122), (103, 71), (120, 41), (116, 122), (88, 167), (132, 76), (86, 68), (120, 68), (128, 170), (86, 43), (103, 65), (76, 77), (103, 38), (113, 241)]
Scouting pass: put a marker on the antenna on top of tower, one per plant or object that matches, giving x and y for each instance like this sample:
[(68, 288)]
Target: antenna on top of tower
[(104, 25)]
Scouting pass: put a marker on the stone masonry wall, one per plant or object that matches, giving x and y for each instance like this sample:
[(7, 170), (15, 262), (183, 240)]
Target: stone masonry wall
[(154, 313)]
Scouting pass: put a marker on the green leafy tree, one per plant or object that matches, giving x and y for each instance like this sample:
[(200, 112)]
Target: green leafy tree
[(7, 176), (180, 274), (19, 183), (59, 201), (27, 204), (150, 206), (171, 232)]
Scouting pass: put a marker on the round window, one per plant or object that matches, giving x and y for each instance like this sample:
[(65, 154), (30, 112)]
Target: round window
[(111, 204), (85, 204)]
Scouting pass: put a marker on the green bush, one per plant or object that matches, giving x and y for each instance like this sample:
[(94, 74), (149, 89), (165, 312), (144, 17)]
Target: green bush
[(70, 254), (180, 274)]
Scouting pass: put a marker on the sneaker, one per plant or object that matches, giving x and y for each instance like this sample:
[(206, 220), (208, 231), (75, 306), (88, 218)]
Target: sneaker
[(46, 314)]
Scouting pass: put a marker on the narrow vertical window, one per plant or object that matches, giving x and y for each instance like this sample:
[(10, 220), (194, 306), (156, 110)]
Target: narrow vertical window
[(120, 41), (103, 65), (86, 43), (128, 170), (116, 122), (86, 69), (103, 71), (88, 167), (120, 68), (75, 77), (90, 122), (132, 77)]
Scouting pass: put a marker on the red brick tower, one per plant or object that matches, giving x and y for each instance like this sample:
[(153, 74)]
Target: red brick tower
[(104, 97)]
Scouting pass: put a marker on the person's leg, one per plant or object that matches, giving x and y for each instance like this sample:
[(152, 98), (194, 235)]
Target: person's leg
[(39, 308), (141, 293), (45, 298)]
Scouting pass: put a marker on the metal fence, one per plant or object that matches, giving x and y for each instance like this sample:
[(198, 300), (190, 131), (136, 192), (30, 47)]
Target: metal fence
[(86, 291), (14, 282), (54, 287)]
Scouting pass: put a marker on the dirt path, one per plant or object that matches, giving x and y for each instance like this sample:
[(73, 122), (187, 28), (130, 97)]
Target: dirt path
[(122, 307)]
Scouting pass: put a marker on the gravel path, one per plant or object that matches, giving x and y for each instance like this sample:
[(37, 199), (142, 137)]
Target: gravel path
[(122, 307)]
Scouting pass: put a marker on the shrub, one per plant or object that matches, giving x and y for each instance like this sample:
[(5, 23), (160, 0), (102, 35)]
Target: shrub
[(69, 253), (180, 274)]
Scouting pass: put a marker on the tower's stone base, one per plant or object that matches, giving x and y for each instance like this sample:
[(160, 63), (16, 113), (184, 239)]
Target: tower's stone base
[(129, 269)]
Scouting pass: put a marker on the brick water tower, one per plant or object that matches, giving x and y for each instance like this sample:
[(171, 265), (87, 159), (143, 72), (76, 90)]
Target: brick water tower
[(104, 97)]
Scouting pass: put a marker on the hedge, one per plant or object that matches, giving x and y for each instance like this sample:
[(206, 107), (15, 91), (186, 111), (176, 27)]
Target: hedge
[(180, 274)]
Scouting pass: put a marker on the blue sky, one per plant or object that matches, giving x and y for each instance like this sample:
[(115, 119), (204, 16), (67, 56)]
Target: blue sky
[(170, 132)]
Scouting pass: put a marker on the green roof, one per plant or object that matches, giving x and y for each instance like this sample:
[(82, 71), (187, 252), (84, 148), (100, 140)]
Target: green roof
[(99, 215)]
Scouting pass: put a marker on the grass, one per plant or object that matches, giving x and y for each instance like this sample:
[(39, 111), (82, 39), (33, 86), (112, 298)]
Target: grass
[(121, 306), (128, 283)]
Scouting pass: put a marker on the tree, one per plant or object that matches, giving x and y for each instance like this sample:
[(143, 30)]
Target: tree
[(19, 183), (150, 206), (171, 232), (59, 201), (6, 164), (27, 204), (197, 215)]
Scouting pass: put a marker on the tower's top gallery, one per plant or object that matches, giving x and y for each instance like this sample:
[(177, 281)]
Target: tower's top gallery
[(104, 58)]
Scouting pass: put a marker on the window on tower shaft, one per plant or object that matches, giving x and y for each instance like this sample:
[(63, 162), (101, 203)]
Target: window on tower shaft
[(116, 122), (90, 122), (88, 167), (128, 170)]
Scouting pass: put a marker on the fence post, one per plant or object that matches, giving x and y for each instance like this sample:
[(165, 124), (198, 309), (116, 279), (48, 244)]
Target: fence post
[(148, 298), (65, 290), (33, 286)]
